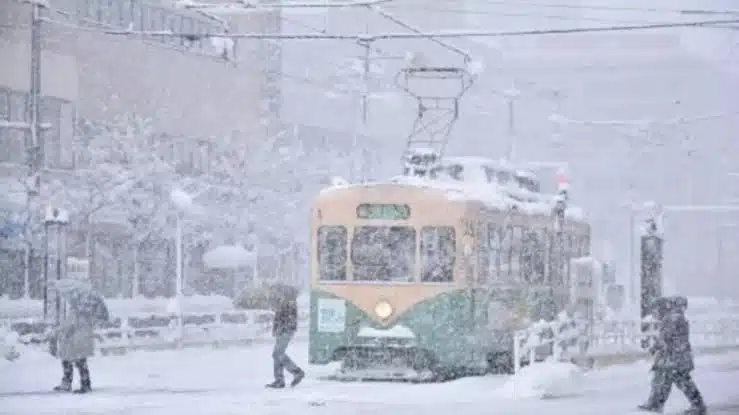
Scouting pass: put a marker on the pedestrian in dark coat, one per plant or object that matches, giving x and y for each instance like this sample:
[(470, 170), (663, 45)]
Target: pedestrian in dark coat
[(284, 326), (73, 340), (673, 361)]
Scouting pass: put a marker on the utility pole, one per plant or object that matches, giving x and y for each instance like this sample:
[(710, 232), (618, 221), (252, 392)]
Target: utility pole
[(34, 154), (32, 138), (359, 167), (364, 109)]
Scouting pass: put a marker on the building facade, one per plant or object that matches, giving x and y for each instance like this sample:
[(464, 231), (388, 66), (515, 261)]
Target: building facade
[(197, 89)]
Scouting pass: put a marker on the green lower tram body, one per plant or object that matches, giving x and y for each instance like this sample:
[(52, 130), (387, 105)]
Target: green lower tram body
[(448, 334)]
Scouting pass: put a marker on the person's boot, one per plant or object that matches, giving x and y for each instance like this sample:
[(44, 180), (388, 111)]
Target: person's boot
[(67, 376), (278, 384), (85, 386), (697, 410), (65, 386), (649, 407), (297, 378)]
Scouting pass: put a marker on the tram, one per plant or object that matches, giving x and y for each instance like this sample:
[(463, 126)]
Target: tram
[(421, 279)]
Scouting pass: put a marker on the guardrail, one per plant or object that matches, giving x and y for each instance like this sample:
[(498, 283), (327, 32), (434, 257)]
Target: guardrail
[(157, 331), (609, 342)]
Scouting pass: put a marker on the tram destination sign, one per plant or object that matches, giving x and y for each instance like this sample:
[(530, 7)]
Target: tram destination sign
[(383, 211)]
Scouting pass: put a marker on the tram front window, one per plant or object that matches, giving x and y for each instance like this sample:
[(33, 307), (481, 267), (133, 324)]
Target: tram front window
[(332, 252), (384, 253)]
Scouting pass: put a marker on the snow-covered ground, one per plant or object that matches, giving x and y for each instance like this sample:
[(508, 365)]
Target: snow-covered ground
[(230, 381)]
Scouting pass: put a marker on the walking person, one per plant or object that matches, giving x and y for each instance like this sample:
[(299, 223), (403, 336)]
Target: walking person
[(73, 340), (673, 361), (284, 326)]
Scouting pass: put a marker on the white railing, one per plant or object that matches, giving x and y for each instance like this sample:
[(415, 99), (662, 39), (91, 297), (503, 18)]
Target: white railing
[(556, 338), (156, 331), (608, 341)]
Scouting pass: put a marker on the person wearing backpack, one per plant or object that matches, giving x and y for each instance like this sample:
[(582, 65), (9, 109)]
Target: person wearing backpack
[(75, 336)]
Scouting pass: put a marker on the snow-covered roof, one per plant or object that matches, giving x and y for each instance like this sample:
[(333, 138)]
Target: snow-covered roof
[(502, 164), (472, 192)]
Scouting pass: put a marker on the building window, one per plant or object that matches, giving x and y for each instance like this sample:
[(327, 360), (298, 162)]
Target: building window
[(66, 135), (13, 145), (51, 137), (137, 15)]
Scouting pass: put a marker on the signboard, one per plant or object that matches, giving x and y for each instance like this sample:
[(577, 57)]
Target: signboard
[(78, 268), (331, 316), (383, 211)]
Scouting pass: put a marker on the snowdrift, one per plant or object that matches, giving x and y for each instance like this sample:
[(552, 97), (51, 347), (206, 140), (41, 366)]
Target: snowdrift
[(548, 379), (13, 351)]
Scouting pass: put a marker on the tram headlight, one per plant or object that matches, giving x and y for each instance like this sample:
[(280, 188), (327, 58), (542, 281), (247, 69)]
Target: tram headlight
[(383, 309)]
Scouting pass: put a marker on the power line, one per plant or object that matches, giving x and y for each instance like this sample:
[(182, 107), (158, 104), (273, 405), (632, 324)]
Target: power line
[(645, 122), (299, 79), (612, 8), (424, 35), (514, 14), (244, 5), (382, 53), (401, 23)]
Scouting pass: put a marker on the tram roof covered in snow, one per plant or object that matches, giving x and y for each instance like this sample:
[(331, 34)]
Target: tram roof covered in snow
[(471, 188)]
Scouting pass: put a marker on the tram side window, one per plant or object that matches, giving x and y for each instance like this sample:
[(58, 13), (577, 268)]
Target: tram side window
[(572, 251), (384, 253), (510, 253), (488, 261), (494, 240), (483, 259), (332, 253), (557, 257), (438, 250), (533, 256), (506, 253)]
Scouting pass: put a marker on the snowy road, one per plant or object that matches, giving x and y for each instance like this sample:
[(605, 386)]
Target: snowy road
[(221, 382)]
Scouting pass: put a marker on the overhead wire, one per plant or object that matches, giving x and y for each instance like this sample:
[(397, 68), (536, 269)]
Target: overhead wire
[(426, 35), (385, 54), (606, 8), (515, 14), (325, 86), (374, 37)]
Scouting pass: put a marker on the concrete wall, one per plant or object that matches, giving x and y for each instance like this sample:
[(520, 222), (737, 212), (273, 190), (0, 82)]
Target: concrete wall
[(187, 90)]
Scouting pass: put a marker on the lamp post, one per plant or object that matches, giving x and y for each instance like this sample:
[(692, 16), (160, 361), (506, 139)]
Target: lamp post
[(182, 202), (57, 219)]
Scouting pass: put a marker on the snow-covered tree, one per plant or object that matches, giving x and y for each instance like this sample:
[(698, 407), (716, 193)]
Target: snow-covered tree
[(116, 164), (113, 163)]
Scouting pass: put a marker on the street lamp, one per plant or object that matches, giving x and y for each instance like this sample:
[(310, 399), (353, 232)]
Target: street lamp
[(58, 219), (183, 203)]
